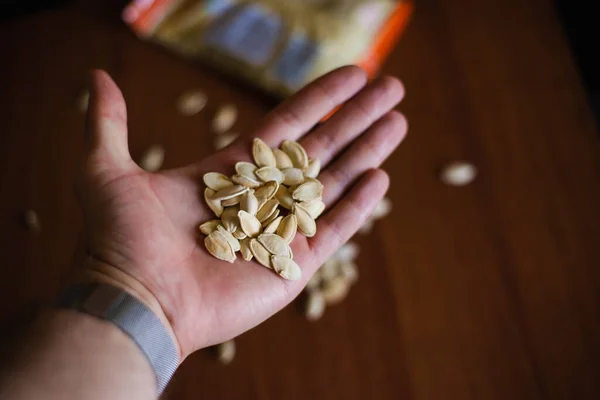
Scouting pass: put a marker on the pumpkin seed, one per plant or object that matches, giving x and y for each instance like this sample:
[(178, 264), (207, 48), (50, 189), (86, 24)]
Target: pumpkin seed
[(267, 210), (272, 226), (308, 191), (239, 234), (306, 224), (209, 226), (267, 174), (245, 181), (249, 224), (226, 351), (296, 153), (271, 218), (261, 254), (335, 290), (214, 205), (274, 244), (153, 158), (230, 219), (225, 139), (249, 203), (314, 207), (229, 192), (216, 181), (282, 160), (284, 196), (263, 155), (245, 249), (313, 169), (192, 102), (287, 228), (247, 169), (217, 244), (266, 191), (292, 176), (232, 201), (286, 268), (233, 242), (224, 118)]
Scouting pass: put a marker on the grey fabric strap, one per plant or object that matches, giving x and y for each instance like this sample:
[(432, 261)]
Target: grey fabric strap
[(133, 318)]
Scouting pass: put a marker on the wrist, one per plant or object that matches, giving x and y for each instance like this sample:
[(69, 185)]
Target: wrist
[(96, 271)]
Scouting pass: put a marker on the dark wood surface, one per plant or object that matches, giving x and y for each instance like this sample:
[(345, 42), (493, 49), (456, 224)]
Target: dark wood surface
[(490, 291)]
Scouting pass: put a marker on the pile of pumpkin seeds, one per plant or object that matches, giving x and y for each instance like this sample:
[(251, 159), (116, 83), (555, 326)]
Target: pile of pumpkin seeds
[(262, 206)]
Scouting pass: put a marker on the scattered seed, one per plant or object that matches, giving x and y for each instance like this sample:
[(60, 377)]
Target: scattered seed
[(458, 173), (32, 221), (223, 140), (153, 158), (226, 352), (335, 290), (224, 118), (315, 306), (191, 103)]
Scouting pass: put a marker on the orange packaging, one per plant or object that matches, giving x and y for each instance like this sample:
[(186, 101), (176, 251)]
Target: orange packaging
[(279, 45)]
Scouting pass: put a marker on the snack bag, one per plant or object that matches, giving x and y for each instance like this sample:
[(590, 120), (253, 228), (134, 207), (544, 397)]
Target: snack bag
[(279, 45)]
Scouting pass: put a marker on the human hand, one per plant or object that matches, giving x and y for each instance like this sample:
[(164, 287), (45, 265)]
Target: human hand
[(143, 227)]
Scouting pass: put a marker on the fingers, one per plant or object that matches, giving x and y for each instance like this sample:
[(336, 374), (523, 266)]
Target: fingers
[(368, 151), (302, 111), (107, 151), (342, 221), (353, 118)]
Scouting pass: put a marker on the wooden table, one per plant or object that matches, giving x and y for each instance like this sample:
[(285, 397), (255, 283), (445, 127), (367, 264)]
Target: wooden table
[(489, 291)]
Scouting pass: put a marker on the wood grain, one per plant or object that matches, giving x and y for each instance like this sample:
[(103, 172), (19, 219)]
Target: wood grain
[(490, 291)]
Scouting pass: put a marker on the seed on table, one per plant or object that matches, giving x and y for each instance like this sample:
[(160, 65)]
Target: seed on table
[(32, 221), (191, 102), (224, 118), (458, 173), (224, 140), (153, 158), (315, 305), (225, 351)]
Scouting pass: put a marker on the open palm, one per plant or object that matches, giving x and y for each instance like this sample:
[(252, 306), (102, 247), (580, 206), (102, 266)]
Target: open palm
[(146, 224)]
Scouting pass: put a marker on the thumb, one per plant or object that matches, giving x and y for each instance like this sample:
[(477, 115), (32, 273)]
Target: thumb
[(107, 151)]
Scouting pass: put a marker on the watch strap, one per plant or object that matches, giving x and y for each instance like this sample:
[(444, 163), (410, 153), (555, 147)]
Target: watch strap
[(131, 316)]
